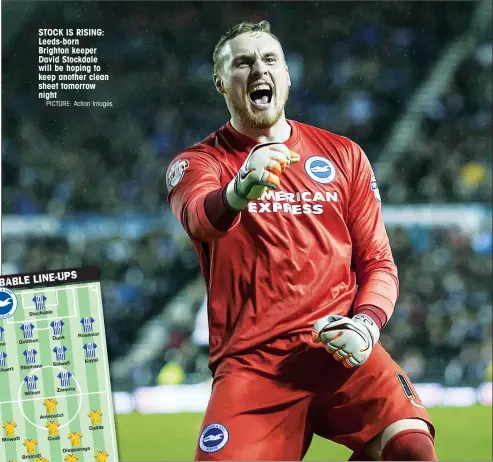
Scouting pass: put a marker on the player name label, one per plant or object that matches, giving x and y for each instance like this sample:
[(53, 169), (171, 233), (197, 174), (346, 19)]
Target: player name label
[(97, 427), (90, 334), (29, 340), (85, 449), (58, 337), (32, 456), (61, 363), (37, 313), (61, 390), (92, 360), (31, 366), (51, 416), (2, 344), (28, 393), (6, 369), (15, 438), (53, 438)]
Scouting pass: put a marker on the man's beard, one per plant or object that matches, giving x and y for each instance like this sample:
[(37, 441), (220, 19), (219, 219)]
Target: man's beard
[(259, 119)]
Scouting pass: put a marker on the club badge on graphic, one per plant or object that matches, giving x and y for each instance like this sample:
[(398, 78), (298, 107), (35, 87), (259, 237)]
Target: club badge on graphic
[(177, 172), (320, 169), (8, 303), (213, 438)]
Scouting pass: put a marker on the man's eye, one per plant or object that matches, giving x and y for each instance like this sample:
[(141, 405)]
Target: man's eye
[(271, 60)]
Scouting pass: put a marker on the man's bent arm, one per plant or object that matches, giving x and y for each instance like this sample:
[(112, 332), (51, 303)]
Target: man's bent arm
[(218, 210), (376, 272), (196, 196)]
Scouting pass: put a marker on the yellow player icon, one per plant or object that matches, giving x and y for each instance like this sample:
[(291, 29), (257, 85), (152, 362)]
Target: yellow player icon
[(95, 417), (50, 405), (101, 455), (75, 438), (41, 459), (30, 445), (71, 458), (52, 427), (9, 428)]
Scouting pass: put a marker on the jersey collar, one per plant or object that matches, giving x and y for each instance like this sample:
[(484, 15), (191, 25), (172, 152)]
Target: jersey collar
[(243, 143)]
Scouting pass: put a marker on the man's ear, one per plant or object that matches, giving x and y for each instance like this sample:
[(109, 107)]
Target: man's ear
[(289, 77), (218, 83)]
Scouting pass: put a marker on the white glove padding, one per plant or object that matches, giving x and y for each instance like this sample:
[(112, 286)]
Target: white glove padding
[(350, 341), (262, 169)]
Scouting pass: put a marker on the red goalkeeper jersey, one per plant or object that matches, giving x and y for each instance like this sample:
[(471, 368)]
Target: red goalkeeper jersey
[(315, 246)]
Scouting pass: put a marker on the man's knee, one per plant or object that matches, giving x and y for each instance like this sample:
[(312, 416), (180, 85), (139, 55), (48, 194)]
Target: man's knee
[(407, 439), (410, 445)]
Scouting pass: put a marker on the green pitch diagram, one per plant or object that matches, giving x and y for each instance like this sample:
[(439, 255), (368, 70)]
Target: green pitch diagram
[(55, 394)]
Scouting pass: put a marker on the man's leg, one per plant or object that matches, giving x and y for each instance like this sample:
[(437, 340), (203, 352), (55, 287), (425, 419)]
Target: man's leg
[(375, 411), (406, 439), (253, 417)]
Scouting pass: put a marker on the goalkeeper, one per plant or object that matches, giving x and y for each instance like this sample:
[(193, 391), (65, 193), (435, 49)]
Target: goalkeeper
[(286, 221)]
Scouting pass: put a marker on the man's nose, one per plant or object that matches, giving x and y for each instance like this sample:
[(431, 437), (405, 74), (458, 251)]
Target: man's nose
[(259, 67)]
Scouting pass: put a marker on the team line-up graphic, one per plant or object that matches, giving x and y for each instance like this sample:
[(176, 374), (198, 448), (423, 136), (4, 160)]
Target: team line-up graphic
[(55, 398)]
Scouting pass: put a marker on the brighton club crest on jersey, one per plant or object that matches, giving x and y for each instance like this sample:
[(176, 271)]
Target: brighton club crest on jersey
[(39, 302), (320, 169), (8, 303)]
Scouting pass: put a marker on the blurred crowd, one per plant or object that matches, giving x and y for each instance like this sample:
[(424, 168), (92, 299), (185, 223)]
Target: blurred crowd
[(441, 327), (452, 160), (353, 69)]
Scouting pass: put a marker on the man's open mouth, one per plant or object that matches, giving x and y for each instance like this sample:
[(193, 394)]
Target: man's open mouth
[(261, 95)]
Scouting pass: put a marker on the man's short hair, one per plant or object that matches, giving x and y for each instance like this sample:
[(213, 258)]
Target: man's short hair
[(241, 28)]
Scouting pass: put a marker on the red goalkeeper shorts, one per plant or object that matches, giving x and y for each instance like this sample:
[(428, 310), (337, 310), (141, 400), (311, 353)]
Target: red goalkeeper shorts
[(267, 404)]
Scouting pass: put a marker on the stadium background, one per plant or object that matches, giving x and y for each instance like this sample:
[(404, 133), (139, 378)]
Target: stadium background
[(409, 81)]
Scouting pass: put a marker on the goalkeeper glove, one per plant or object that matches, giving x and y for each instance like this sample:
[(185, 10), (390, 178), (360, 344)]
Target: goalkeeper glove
[(262, 169), (349, 340)]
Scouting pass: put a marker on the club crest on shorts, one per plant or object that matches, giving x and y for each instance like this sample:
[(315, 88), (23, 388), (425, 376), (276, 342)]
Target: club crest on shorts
[(213, 437), (320, 169), (177, 172), (8, 303)]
